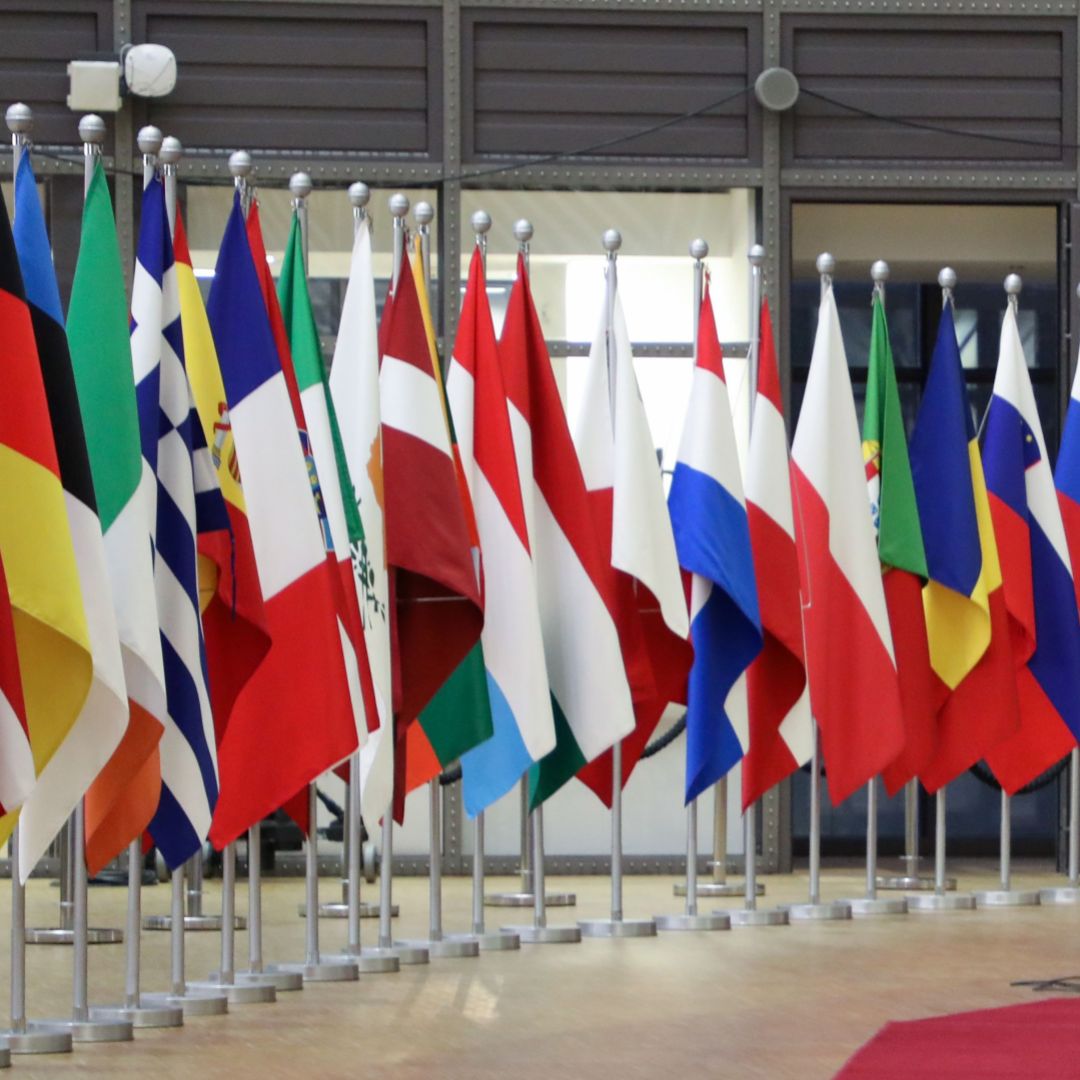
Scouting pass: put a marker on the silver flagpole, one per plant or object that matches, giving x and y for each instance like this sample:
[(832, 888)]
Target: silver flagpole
[(533, 890), (615, 925), (750, 914), (690, 919), (815, 909), (943, 898), (399, 207), (909, 877), (169, 156), (1070, 894), (871, 903)]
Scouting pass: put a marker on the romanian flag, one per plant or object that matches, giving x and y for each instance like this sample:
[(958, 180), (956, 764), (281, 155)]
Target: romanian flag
[(36, 548), (966, 618)]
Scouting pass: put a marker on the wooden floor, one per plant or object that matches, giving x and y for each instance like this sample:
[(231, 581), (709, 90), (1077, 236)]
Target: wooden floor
[(772, 1003)]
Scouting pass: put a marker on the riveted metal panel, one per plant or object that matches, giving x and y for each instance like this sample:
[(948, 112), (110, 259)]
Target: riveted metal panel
[(534, 84), (304, 77)]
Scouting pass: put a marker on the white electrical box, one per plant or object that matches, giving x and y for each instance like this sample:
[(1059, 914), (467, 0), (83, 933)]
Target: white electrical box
[(95, 86)]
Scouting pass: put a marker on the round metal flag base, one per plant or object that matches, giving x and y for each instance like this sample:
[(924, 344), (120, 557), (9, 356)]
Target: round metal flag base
[(5, 1058), (367, 964), (39, 1039), (141, 1016), (96, 1031), (718, 920), (251, 993), (950, 901), (406, 954), (833, 910), (55, 935), (448, 948), (1007, 898), (527, 899), (191, 922), (324, 971), (910, 883), (279, 980), (546, 935), (335, 909), (865, 906), (758, 917), (193, 1003), (718, 888), (1064, 894), (498, 940), (617, 928)]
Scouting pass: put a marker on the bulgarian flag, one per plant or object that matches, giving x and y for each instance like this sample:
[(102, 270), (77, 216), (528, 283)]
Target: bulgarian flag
[(575, 583), (895, 515), (854, 692)]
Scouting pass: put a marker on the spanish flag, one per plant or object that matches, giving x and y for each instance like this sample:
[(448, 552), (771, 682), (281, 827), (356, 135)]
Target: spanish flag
[(51, 635)]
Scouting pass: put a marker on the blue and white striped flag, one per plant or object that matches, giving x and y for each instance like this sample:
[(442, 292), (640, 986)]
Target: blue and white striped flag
[(183, 488)]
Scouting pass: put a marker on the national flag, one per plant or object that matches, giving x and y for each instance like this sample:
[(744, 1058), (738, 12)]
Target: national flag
[(1036, 573), (895, 514), (512, 640), (966, 619), (293, 720), (1067, 479), (854, 694), (123, 798), (626, 495), (712, 538), (324, 438), (590, 695), (781, 730), (459, 716), (234, 619), (104, 715), (436, 612), (16, 757), (177, 468), (354, 385)]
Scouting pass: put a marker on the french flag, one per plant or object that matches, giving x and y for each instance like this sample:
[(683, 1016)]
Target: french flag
[(1036, 573), (712, 538)]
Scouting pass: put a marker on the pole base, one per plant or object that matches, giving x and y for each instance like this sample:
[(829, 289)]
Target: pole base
[(1064, 894), (39, 1039), (5, 1058), (141, 1016), (832, 910), (527, 899), (498, 940), (335, 909), (1007, 898), (912, 883), (412, 953), (193, 1002), (743, 917), (370, 961), (617, 928), (247, 993), (95, 1031), (865, 906), (457, 947), (546, 935), (281, 981), (55, 935), (324, 971), (191, 922), (948, 901), (718, 920), (718, 888)]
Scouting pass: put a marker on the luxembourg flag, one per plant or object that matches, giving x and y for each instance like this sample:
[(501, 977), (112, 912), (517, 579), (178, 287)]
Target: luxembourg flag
[(712, 538), (1036, 573)]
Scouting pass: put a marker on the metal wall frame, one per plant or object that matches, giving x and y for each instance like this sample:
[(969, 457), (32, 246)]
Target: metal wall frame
[(776, 186)]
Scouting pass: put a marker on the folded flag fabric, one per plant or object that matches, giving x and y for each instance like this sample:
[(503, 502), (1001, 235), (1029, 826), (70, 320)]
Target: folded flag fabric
[(16, 759), (1067, 479), (712, 538)]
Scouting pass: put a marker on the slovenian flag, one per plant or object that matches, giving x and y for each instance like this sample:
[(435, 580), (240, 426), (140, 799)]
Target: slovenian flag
[(712, 538), (1036, 574)]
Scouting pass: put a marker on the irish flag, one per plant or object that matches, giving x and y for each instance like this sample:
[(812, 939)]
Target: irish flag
[(854, 693)]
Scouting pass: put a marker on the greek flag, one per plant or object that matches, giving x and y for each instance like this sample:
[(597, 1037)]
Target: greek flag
[(181, 484)]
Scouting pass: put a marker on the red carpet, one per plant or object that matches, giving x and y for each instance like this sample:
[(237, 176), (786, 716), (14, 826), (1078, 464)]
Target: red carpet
[(1032, 1042)]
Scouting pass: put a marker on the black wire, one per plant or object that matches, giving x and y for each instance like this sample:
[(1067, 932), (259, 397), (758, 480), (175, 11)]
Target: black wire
[(1045, 779)]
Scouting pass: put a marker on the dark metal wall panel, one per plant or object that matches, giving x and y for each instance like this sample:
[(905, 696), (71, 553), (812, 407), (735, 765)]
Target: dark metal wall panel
[(310, 77), (1000, 78), (37, 40), (534, 84)]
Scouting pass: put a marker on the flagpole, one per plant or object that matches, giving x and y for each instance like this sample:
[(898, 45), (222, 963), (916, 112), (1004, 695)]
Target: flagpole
[(169, 156), (616, 925), (690, 919), (943, 898), (816, 910), (1070, 894), (910, 878), (399, 207), (750, 914)]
